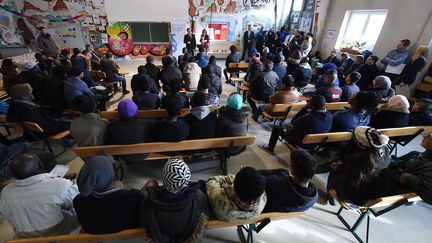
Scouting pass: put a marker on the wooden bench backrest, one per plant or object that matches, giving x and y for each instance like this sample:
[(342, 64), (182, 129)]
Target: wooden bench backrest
[(142, 233), (98, 74), (32, 127), (148, 114), (243, 65), (3, 119), (223, 45), (211, 143), (233, 65), (425, 87), (346, 136), (298, 106)]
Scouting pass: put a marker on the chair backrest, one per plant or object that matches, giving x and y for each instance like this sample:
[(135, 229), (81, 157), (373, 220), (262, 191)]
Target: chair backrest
[(233, 65), (335, 106), (149, 114), (34, 127), (158, 147), (243, 65)]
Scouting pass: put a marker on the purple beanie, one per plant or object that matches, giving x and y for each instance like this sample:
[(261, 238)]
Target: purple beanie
[(127, 108)]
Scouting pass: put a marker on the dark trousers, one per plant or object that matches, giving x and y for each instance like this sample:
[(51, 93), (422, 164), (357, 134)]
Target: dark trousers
[(251, 102), (276, 132), (246, 50)]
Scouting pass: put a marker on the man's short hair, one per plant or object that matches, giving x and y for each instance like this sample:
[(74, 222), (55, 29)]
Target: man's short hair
[(175, 85), (168, 50), (209, 69), (142, 69), (166, 61), (204, 82), (233, 48), (317, 102), (201, 49), (303, 165), (26, 165), (173, 108), (374, 58), (212, 59), (344, 54), (249, 184), (405, 42), (288, 80), (149, 59), (84, 104), (354, 77), (108, 55)]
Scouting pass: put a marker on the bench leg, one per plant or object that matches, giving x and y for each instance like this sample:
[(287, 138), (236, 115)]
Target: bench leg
[(249, 231), (353, 229), (224, 166)]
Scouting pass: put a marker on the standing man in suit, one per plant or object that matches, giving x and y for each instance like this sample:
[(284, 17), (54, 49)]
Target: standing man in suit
[(248, 41), (190, 41)]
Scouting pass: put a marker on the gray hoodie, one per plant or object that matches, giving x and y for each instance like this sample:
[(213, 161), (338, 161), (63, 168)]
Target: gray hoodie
[(200, 112)]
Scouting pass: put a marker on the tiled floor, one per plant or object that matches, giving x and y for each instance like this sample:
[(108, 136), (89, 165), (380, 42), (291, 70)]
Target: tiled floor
[(319, 224)]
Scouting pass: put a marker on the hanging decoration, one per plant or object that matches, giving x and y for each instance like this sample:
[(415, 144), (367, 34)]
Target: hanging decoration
[(43, 20)]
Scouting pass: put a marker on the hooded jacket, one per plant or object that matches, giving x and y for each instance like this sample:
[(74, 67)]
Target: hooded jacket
[(190, 214), (141, 80), (264, 85), (216, 84), (36, 80), (284, 195), (192, 74), (231, 123), (202, 123), (10, 77), (302, 74)]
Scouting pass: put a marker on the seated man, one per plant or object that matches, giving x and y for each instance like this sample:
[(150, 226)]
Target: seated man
[(216, 83), (287, 95), (327, 68), (37, 204), (173, 129), (368, 72), (74, 86), (311, 119), (53, 90), (35, 77), (330, 91), (173, 93), (201, 120), (178, 210), (237, 197), (89, 128), (301, 71), (128, 129), (22, 108), (396, 57), (279, 69), (9, 72), (350, 88), (382, 86), (103, 206), (263, 85), (291, 192), (152, 70), (203, 87), (358, 62), (233, 57), (216, 69), (146, 100), (142, 80), (345, 61), (112, 72), (169, 72), (333, 58), (421, 114)]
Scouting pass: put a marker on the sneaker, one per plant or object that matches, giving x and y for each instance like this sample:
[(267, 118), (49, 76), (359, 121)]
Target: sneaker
[(267, 149)]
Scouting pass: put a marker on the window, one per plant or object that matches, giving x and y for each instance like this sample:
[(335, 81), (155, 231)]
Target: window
[(298, 5), (361, 26)]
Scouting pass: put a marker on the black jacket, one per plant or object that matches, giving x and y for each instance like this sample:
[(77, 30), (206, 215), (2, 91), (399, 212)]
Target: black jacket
[(146, 100), (248, 40), (36, 80), (53, 91), (169, 73), (216, 84), (176, 221), (192, 45), (217, 70), (153, 72), (110, 69), (302, 76), (389, 119), (410, 71), (231, 123), (420, 119), (180, 97), (368, 74), (141, 80), (202, 123), (20, 112), (263, 85), (167, 131)]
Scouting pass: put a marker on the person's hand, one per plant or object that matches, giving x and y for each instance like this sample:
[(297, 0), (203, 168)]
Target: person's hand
[(403, 177)]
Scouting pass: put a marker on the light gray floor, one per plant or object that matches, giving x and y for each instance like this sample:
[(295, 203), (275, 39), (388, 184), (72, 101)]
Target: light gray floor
[(319, 224)]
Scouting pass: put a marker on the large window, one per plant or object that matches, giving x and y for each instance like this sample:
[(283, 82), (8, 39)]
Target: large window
[(361, 26)]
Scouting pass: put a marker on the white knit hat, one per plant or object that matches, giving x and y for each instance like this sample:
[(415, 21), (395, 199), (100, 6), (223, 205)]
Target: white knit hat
[(176, 175), (368, 137), (398, 103)]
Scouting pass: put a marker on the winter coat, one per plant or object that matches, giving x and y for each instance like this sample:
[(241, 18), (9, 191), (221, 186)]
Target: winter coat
[(263, 85), (202, 123), (10, 77)]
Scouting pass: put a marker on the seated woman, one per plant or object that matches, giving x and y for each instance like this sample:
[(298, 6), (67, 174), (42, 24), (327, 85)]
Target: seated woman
[(363, 104), (232, 121), (103, 205), (291, 192), (382, 86), (178, 210), (237, 197), (357, 166), (393, 114), (22, 108)]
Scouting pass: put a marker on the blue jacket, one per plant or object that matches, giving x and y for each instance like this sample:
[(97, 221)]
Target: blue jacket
[(306, 122), (347, 120), (320, 82), (281, 71), (73, 87), (284, 195)]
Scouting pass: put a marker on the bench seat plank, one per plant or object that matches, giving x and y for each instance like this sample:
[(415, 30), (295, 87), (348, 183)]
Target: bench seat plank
[(149, 114)]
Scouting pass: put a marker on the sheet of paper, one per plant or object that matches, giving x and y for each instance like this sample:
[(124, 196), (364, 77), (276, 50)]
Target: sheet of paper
[(59, 170), (395, 69)]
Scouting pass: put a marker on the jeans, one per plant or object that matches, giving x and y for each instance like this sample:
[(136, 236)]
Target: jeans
[(121, 79)]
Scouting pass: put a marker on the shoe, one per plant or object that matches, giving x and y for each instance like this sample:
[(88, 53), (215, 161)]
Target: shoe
[(126, 92), (267, 149)]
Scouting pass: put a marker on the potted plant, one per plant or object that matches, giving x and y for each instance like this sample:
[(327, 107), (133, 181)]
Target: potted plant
[(352, 47)]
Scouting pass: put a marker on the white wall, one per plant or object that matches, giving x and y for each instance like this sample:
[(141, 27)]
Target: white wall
[(146, 10), (406, 19)]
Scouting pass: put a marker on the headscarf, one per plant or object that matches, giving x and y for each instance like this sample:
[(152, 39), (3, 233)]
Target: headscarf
[(176, 175), (398, 103), (96, 175), (21, 92)]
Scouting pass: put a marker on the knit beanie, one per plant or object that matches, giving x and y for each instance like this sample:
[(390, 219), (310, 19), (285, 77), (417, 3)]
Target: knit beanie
[(382, 82), (22, 92), (398, 103), (235, 101), (127, 108), (367, 137), (176, 175)]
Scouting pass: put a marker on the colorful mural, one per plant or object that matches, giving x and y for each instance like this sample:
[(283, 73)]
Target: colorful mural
[(234, 14), (120, 42)]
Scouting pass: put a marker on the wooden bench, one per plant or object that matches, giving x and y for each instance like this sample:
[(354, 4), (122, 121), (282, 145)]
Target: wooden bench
[(389, 203), (408, 133), (156, 149), (149, 114), (295, 107), (220, 49), (254, 224)]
